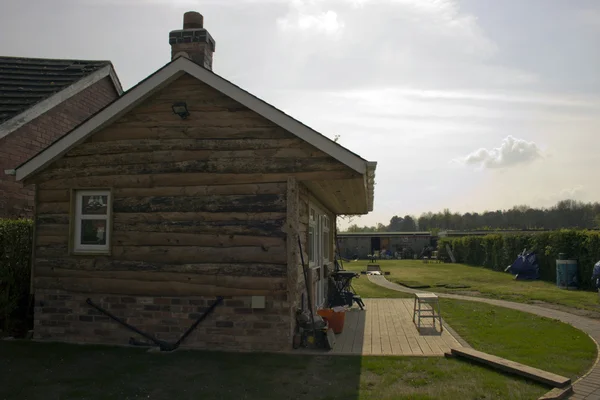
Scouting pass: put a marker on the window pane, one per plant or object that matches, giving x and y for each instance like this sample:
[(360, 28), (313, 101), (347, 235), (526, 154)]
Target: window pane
[(96, 205), (93, 231), (311, 244), (326, 245)]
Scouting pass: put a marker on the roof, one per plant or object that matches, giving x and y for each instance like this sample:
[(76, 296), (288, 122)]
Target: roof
[(490, 232), (378, 234), (168, 74), (31, 86)]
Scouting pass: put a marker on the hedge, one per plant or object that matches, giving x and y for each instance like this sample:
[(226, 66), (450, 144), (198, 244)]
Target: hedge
[(15, 272), (497, 251)]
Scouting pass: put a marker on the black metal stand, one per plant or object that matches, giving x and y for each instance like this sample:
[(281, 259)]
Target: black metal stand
[(161, 344)]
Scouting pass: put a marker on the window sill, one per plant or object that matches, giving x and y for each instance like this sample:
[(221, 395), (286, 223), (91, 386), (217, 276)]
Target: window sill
[(90, 253)]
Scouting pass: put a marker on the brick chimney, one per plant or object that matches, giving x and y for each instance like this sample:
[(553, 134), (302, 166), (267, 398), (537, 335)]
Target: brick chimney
[(193, 40)]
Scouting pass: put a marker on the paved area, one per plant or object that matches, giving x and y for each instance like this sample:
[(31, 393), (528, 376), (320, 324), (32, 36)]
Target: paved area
[(588, 387), (385, 327)]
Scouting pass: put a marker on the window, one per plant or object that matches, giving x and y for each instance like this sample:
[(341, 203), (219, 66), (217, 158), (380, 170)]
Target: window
[(312, 254), (91, 221), (326, 239), (319, 251)]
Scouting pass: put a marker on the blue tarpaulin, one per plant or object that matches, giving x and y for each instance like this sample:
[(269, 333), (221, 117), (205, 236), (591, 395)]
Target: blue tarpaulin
[(525, 267), (596, 275)]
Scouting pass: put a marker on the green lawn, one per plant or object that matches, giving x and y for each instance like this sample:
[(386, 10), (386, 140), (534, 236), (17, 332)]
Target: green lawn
[(59, 371), (481, 281), (536, 341)]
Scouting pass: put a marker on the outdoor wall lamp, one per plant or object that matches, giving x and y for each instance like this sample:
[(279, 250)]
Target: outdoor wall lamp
[(181, 109)]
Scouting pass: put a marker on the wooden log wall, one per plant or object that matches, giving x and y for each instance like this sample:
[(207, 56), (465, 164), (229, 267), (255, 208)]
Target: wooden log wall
[(199, 205)]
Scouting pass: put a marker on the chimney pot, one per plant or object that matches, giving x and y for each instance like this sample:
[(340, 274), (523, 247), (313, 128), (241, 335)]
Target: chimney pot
[(193, 20)]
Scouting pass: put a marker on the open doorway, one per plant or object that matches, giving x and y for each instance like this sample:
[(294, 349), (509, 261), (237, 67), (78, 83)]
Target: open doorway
[(375, 244)]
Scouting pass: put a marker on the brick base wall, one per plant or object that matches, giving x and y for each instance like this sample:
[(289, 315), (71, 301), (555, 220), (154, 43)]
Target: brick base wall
[(233, 325)]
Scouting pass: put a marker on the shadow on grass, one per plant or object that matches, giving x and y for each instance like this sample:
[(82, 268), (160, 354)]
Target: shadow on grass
[(52, 370)]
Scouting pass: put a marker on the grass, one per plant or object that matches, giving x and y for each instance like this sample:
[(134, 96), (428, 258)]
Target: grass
[(32, 370), (483, 282), (530, 339), (53, 371)]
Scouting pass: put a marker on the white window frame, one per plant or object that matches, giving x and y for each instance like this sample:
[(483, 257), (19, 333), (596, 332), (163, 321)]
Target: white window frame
[(326, 240), (318, 224), (311, 239), (77, 247)]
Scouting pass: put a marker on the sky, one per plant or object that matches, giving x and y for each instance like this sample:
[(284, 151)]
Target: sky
[(470, 105)]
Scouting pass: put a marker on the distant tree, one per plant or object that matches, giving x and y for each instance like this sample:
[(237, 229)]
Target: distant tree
[(408, 224), (396, 224), (565, 214)]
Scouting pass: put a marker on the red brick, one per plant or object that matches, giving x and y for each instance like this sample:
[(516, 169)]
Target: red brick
[(72, 320), (37, 134)]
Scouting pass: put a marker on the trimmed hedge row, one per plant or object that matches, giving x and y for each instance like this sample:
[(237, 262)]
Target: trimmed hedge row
[(499, 251), (15, 272)]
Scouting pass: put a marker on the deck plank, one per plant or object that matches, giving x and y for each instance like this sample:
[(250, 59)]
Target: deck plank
[(513, 367), (385, 327), (386, 332), (368, 335), (376, 330), (357, 347), (349, 331)]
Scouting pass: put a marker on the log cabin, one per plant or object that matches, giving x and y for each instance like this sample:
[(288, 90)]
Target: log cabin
[(186, 188)]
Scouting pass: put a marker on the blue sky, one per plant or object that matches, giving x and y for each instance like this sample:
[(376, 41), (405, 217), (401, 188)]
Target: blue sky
[(468, 105)]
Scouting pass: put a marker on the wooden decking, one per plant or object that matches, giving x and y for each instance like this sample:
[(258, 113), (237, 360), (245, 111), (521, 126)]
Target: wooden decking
[(386, 328)]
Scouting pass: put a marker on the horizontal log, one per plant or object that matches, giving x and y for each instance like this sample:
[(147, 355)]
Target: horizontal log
[(133, 238), (235, 217), (142, 120), (183, 179), (193, 90), (273, 228), (136, 157), (217, 203), (149, 145), (187, 254), (144, 288), (45, 240), (63, 195), (202, 105), (217, 166), (199, 116), (182, 254), (50, 221), (102, 263), (232, 282), (49, 196), (53, 208), (119, 132), (261, 224), (204, 190)]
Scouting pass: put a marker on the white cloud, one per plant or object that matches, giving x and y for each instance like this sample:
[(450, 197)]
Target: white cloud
[(511, 152), (308, 16), (574, 193)]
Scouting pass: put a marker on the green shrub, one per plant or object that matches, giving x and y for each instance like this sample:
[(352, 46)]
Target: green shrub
[(15, 272), (499, 251)]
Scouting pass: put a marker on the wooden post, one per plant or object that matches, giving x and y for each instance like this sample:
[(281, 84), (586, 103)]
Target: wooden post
[(292, 228)]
